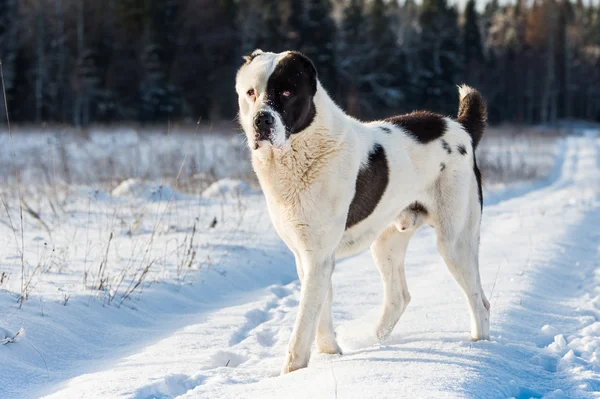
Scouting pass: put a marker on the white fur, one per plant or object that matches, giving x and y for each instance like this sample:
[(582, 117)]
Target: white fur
[(464, 90), (309, 181)]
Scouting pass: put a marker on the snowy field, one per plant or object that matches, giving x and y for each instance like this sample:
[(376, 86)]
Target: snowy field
[(130, 276)]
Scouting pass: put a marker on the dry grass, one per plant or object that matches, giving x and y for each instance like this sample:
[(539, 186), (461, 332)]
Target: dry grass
[(510, 154), (20, 197), (105, 156)]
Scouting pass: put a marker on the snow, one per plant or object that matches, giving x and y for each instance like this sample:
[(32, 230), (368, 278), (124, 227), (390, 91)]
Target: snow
[(230, 188), (220, 326), (135, 188)]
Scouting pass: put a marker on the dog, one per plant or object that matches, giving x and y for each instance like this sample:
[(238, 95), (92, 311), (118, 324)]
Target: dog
[(335, 186)]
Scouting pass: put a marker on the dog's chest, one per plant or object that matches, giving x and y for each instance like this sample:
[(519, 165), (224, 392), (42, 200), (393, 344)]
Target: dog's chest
[(306, 209), (298, 178), (293, 207)]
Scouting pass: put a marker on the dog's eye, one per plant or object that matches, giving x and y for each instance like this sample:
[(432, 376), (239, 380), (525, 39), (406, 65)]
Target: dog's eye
[(286, 93), (250, 93)]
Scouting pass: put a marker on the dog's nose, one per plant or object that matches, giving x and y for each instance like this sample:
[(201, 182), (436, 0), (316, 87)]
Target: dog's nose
[(263, 122)]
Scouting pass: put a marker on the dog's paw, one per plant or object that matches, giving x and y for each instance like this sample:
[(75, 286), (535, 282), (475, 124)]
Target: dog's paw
[(292, 364), (328, 346), (383, 331), (480, 337)]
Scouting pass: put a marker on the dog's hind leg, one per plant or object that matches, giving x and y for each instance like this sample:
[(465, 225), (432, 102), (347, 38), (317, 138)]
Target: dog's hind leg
[(388, 251), (460, 250)]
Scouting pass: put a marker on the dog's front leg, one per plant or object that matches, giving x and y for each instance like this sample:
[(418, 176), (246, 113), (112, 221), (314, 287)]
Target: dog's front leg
[(315, 285), (299, 268)]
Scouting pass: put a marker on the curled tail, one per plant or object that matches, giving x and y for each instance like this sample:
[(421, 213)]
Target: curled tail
[(472, 112)]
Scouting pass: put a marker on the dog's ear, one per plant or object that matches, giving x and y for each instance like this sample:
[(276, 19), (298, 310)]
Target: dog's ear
[(255, 53), (309, 68)]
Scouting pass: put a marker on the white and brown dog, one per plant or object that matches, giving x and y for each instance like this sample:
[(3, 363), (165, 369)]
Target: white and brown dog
[(335, 186)]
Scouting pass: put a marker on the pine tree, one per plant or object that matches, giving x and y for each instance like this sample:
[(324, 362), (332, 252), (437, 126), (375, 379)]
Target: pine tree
[(229, 51), (272, 37), (354, 22), (491, 9), (132, 16), (472, 46), (296, 25), (595, 26), (163, 27), (318, 41), (352, 61), (564, 55), (159, 99), (83, 61), (541, 37), (408, 42), (440, 55), (207, 57), (386, 62), (378, 24), (471, 35), (8, 48)]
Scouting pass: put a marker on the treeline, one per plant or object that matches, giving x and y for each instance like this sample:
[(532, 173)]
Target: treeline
[(77, 61)]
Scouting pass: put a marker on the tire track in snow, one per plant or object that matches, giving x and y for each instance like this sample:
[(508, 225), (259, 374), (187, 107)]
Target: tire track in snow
[(554, 327)]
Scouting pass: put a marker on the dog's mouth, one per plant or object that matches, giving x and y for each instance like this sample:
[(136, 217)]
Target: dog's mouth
[(262, 138), (257, 144)]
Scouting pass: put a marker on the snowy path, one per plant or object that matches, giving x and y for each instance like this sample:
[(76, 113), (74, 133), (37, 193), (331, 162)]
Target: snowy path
[(540, 264)]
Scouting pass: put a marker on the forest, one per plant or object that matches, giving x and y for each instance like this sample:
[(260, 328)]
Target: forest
[(154, 61)]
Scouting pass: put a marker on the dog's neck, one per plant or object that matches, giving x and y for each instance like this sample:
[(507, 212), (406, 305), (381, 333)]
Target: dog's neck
[(286, 172)]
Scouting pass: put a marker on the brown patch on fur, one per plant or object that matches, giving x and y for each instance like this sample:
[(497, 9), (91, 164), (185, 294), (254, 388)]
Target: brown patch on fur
[(472, 114), (371, 183), (423, 126), (418, 208)]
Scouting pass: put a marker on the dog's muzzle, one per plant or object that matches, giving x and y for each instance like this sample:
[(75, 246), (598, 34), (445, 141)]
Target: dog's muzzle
[(263, 126)]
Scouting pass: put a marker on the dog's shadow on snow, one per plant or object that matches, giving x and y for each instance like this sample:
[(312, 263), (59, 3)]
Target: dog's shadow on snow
[(417, 348)]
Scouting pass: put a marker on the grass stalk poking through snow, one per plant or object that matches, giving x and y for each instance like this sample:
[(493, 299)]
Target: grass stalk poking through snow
[(131, 289), (103, 264), (10, 340), (12, 143)]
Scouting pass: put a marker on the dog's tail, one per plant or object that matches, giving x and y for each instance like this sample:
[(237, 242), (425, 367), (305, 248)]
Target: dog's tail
[(472, 112)]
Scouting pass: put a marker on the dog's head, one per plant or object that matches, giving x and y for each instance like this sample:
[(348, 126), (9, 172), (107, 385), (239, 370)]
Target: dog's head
[(275, 94)]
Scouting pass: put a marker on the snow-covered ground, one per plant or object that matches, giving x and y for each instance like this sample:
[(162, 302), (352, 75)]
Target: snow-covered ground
[(147, 292)]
